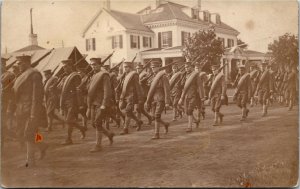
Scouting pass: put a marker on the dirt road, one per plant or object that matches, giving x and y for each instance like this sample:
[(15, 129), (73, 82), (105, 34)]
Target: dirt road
[(263, 151)]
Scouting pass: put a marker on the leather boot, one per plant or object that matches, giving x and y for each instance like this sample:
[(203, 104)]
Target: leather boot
[(98, 146), (221, 116), (216, 119), (126, 125), (166, 125), (156, 130), (190, 122), (290, 105), (243, 114), (264, 111)]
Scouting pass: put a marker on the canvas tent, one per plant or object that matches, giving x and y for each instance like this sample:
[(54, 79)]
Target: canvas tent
[(49, 58)]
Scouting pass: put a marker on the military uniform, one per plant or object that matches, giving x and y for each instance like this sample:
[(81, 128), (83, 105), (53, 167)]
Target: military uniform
[(243, 92), (254, 76), (28, 91), (290, 92), (217, 93), (176, 90), (131, 94), (264, 87), (70, 99), (99, 102), (158, 96), (145, 88), (192, 93)]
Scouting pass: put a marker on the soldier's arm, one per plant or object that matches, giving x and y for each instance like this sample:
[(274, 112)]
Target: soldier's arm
[(166, 90), (107, 91), (224, 87), (138, 89), (37, 95)]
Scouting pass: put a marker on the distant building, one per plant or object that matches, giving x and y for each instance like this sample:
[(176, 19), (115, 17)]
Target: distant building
[(158, 32)]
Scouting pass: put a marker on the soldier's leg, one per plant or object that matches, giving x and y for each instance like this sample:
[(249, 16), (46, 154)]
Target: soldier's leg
[(155, 106), (217, 108), (213, 108), (129, 113), (291, 99), (123, 109)]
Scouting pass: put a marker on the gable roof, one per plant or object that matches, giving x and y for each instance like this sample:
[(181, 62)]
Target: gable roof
[(30, 48), (172, 10), (127, 20)]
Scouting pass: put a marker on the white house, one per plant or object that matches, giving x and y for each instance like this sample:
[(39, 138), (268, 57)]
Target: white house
[(158, 32)]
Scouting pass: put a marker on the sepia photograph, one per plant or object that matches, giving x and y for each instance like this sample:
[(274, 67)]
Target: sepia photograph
[(149, 93)]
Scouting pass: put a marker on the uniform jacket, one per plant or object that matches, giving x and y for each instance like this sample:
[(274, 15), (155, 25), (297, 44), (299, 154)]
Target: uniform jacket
[(29, 93), (265, 81), (218, 85), (100, 90), (131, 88)]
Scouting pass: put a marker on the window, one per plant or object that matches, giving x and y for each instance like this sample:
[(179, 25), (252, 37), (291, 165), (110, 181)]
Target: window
[(195, 13), (134, 41), (90, 44), (230, 42), (222, 40), (218, 19), (117, 42), (184, 37), (166, 39), (206, 16), (147, 42)]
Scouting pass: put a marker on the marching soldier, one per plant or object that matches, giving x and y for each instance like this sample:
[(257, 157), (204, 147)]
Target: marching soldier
[(192, 93), (131, 94), (28, 91), (82, 91), (264, 87), (254, 76), (217, 94), (69, 99), (141, 109), (99, 100), (204, 78), (279, 84), (243, 92), (291, 87), (175, 91), (7, 81), (158, 96), (51, 98)]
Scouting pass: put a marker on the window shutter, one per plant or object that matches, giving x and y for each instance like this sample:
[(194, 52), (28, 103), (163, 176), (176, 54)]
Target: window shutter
[(170, 38), (159, 40), (150, 43), (94, 44), (113, 42), (86, 44), (131, 41), (144, 41), (228, 42), (138, 45), (182, 38), (121, 41), (232, 42)]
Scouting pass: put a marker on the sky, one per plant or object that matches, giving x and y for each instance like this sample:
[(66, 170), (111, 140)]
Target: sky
[(61, 22)]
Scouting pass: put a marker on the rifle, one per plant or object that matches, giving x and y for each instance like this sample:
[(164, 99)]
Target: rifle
[(118, 65), (146, 65), (35, 63)]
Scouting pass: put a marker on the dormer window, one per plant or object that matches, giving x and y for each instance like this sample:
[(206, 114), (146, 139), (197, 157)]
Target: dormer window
[(218, 19), (206, 16), (195, 14)]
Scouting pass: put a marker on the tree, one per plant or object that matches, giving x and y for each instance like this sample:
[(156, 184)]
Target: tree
[(204, 47), (242, 44), (284, 50)]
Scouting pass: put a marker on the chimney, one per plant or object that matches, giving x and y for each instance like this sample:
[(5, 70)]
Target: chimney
[(155, 3), (32, 36), (199, 5), (106, 4)]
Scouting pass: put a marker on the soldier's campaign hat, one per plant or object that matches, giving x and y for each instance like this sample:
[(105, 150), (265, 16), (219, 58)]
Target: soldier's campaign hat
[(155, 64), (68, 62), (139, 66), (253, 65), (47, 71), (95, 60), (264, 63), (128, 64), (23, 58), (175, 65), (188, 63), (215, 67)]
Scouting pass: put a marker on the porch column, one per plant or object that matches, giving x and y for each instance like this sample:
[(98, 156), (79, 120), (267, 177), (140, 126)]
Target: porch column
[(163, 60), (229, 69)]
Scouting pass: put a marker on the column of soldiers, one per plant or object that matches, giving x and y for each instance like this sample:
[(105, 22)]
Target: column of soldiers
[(106, 94)]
